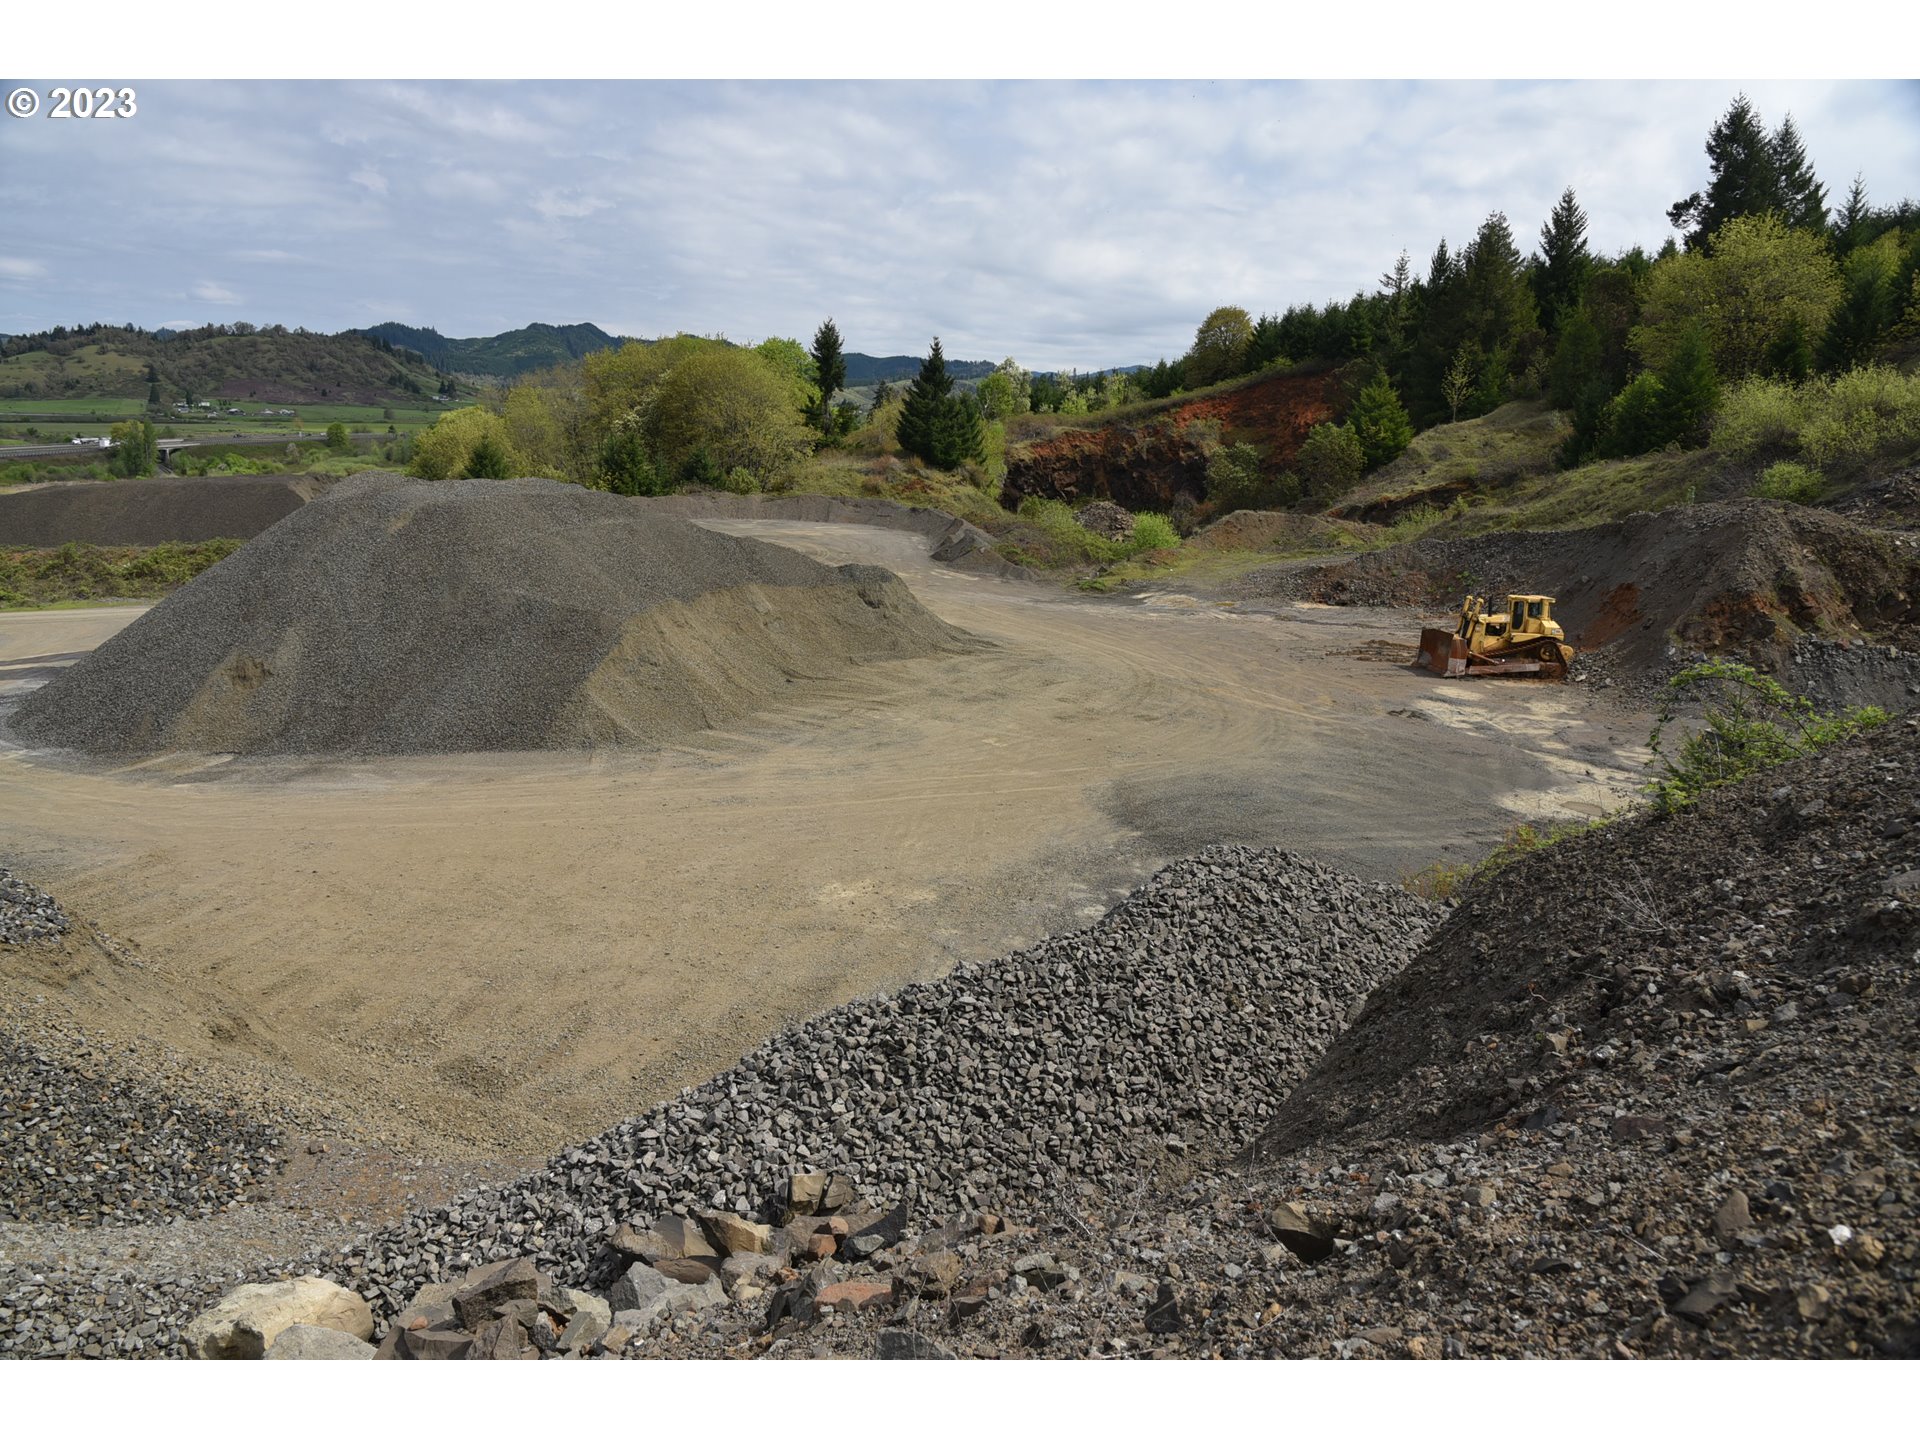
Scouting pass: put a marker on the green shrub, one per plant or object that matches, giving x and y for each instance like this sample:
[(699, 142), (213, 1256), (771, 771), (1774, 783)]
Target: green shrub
[(739, 481), (1330, 461), (1411, 524), (1758, 417), (1237, 480), (1789, 480), (1152, 532), (1846, 418), (1751, 723)]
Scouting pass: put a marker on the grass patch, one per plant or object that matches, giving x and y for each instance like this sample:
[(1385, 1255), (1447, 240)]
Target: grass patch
[(1444, 882), (82, 574)]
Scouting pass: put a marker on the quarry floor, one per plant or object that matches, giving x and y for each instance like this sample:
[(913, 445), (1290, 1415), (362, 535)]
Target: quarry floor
[(489, 956)]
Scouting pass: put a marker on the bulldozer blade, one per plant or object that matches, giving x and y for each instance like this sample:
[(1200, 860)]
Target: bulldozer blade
[(1443, 652)]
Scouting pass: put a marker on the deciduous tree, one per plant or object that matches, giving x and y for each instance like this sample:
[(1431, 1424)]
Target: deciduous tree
[(1219, 346)]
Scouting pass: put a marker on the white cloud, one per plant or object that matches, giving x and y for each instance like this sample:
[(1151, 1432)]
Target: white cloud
[(1083, 223), (16, 269), (568, 205)]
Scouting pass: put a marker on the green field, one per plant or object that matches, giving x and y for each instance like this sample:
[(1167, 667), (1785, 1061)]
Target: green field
[(118, 407)]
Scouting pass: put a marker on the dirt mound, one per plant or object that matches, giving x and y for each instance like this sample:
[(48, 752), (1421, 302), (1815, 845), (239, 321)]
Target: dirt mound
[(1745, 577), (953, 541), (1144, 461), (395, 615), (1278, 530), (154, 511)]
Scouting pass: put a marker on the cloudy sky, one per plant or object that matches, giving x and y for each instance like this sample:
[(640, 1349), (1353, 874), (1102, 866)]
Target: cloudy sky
[(1067, 224)]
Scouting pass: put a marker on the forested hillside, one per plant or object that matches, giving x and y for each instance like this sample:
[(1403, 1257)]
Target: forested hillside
[(270, 364)]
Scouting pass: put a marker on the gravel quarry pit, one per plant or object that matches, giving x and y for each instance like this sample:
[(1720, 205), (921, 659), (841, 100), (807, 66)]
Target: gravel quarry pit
[(489, 955)]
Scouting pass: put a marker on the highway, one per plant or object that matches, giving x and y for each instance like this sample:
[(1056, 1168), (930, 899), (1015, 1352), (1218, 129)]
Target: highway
[(43, 452)]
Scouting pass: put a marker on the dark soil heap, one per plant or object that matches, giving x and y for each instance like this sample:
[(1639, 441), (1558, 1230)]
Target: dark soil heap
[(394, 615), (154, 511), (1746, 578)]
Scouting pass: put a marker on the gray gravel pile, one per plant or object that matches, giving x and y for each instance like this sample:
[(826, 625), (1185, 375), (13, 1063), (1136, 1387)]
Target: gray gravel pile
[(1178, 1022), (81, 1145), (394, 615), (28, 913), (154, 511)]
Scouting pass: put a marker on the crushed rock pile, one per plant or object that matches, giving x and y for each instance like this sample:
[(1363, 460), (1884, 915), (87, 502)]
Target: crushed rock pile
[(80, 1145), (395, 615), (1165, 1033), (1175, 1023), (1744, 578), (28, 913), (154, 511)]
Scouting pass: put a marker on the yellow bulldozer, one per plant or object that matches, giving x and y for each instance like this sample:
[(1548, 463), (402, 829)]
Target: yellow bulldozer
[(1522, 639)]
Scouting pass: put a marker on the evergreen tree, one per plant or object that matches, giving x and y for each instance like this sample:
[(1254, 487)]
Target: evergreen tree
[(1379, 421), (1497, 310), (1265, 346), (959, 434), (830, 370), (1564, 261), (487, 462), (1689, 390), (1803, 199), (153, 396), (1576, 360), (1745, 180), (926, 400), (1850, 218), (700, 471), (1867, 310)]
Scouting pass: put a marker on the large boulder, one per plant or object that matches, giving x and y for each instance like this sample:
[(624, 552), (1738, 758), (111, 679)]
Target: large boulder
[(315, 1342), (244, 1325)]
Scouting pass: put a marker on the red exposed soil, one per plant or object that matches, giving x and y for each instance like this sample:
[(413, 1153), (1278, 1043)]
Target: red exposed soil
[(1144, 461)]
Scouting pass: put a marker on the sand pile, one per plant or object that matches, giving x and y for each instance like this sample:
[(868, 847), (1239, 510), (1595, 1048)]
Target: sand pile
[(393, 615), (152, 512)]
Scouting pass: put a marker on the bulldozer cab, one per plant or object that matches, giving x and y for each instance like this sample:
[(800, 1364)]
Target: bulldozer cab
[(1532, 614)]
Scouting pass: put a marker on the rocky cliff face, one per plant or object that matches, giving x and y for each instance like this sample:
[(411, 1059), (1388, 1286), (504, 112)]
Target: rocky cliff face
[(1145, 461)]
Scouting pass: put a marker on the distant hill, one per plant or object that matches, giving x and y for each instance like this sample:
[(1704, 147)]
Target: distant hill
[(271, 364), (514, 352), (863, 370)]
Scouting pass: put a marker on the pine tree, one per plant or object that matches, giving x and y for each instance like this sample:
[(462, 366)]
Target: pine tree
[(487, 462), (1498, 300), (959, 435), (1380, 423), (1803, 199), (1564, 261), (1850, 217), (830, 370), (1689, 390), (1746, 178), (1576, 360), (1266, 345), (918, 433)]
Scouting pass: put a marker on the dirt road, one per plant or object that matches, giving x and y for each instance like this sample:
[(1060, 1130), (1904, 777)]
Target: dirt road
[(496, 954)]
